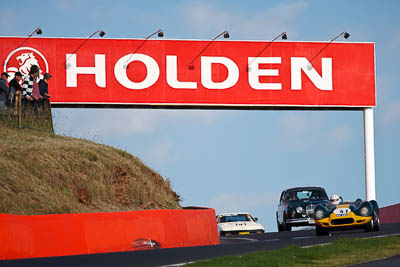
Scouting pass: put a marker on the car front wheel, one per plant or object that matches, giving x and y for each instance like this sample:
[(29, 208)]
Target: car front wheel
[(286, 227), (376, 223), (369, 226), (280, 226)]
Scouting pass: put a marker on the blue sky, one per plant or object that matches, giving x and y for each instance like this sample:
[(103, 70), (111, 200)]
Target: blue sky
[(239, 160)]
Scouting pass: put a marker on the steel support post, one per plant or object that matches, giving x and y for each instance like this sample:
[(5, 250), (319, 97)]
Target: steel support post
[(369, 154)]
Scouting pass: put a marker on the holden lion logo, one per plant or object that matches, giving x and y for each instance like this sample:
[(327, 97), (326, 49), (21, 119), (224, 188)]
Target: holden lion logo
[(22, 59)]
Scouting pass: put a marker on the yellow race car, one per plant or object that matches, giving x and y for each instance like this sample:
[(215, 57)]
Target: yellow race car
[(348, 215)]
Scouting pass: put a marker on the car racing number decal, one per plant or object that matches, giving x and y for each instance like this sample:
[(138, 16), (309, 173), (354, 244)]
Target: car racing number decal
[(341, 211)]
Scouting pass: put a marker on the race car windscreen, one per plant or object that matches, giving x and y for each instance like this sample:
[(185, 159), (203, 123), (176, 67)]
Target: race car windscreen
[(312, 194), (235, 218)]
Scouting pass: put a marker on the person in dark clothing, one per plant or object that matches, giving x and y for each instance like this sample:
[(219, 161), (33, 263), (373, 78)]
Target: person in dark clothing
[(44, 86), (44, 90), (4, 90), (14, 87)]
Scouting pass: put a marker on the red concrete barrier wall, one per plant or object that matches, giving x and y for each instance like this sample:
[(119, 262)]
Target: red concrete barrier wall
[(390, 214), (34, 236)]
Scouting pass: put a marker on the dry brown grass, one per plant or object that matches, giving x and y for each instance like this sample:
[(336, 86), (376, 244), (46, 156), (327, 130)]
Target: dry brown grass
[(44, 173)]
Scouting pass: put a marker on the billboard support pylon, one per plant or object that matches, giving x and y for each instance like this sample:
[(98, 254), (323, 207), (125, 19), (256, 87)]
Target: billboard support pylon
[(369, 153)]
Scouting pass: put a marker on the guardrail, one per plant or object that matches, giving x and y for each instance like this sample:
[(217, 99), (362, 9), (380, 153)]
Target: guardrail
[(32, 236), (390, 214)]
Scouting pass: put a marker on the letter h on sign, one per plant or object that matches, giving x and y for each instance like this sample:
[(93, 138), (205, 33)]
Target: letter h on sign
[(99, 70)]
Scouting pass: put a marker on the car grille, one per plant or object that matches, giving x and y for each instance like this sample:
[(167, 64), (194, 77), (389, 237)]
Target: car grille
[(310, 210), (342, 221)]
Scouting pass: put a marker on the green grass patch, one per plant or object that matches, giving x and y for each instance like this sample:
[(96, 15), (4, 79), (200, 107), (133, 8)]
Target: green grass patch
[(341, 252)]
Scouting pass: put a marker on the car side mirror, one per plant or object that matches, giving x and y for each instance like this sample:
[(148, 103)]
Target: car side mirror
[(256, 219)]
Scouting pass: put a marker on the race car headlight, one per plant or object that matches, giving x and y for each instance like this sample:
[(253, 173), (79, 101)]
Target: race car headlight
[(320, 213), (299, 209), (365, 210)]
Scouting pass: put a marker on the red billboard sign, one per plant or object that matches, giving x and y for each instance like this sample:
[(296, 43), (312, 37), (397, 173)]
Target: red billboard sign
[(172, 72)]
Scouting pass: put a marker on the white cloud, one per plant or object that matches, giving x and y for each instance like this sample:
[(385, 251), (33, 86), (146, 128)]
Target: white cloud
[(124, 122), (9, 21), (204, 117), (341, 134), (71, 5), (104, 122), (392, 45), (204, 17), (265, 24), (262, 24), (236, 202), (298, 130), (391, 114), (305, 131), (298, 124), (159, 152)]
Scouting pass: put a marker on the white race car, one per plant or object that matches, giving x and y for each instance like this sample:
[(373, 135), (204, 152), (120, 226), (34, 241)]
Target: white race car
[(238, 223)]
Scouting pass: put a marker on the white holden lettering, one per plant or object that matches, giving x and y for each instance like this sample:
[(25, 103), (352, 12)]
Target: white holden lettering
[(153, 71), (206, 72), (255, 73), (322, 82), (298, 66), (172, 75), (99, 70)]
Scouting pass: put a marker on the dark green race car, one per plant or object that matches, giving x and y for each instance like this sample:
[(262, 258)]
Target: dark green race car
[(296, 206)]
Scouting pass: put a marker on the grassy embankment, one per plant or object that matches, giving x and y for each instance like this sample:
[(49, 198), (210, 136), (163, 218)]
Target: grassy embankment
[(341, 252), (44, 173)]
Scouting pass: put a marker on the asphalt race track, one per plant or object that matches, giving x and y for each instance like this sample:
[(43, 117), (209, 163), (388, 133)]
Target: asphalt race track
[(229, 246), (392, 261)]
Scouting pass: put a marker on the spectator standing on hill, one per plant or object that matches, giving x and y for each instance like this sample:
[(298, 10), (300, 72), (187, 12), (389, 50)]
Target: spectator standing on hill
[(44, 86), (4, 90), (15, 87), (44, 90), (37, 98), (30, 88)]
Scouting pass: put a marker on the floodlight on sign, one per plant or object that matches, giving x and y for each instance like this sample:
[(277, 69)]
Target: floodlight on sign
[(224, 33)]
